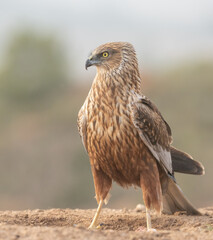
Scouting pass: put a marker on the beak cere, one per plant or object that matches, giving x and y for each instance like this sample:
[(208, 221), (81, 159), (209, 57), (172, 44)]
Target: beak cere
[(88, 63)]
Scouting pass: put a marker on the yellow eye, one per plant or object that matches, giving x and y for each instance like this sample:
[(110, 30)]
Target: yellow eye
[(105, 54)]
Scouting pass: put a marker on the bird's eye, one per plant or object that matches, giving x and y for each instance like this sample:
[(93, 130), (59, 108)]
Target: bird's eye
[(105, 54)]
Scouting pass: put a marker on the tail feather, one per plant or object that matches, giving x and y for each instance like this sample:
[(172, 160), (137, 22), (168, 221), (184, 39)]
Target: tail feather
[(174, 200), (184, 163)]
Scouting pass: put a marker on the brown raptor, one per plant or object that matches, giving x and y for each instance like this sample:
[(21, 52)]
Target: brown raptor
[(127, 138)]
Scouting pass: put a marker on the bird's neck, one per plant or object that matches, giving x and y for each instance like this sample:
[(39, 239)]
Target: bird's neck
[(123, 79)]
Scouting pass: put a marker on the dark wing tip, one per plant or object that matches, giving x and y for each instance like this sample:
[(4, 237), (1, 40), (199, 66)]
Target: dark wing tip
[(184, 163)]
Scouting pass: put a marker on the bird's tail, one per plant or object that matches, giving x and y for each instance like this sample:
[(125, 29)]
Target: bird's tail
[(174, 200), (184, 163)]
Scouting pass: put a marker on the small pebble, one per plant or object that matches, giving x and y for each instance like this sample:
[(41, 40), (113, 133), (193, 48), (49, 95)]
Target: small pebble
[(140, 208)]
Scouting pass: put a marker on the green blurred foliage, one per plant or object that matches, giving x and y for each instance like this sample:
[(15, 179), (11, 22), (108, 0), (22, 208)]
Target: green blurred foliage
[(33, 68)]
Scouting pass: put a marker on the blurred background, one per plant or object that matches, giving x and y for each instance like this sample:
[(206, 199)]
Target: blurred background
[(43, 83)]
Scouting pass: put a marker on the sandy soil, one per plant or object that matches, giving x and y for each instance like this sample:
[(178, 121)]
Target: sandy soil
[(57, 224)]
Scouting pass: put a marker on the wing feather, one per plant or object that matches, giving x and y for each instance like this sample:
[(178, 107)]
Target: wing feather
[(82, 127), (153, 130)]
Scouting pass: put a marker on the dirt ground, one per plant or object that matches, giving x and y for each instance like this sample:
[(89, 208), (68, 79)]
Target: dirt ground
[(58, 224)]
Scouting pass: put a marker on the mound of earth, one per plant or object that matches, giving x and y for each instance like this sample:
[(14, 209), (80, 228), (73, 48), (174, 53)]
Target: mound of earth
[(58, 224)]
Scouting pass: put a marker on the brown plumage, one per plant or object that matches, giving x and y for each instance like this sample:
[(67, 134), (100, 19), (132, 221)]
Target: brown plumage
[(126, 137)]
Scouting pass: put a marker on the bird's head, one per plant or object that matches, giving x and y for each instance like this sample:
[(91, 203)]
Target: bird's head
[(110, 56)]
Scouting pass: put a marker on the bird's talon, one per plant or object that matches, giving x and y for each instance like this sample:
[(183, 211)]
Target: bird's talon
[(144, 229), (151, 230), (100, 226), (92, 227)]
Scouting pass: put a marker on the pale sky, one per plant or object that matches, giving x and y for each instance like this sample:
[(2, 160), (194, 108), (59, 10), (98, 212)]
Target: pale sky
[(163, 32)]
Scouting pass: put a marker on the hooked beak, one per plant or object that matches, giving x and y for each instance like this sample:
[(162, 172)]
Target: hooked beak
[(91, 61), (88, 63)]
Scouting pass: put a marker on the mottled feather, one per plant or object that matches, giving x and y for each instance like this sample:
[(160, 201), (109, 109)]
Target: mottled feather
[(153, 130)]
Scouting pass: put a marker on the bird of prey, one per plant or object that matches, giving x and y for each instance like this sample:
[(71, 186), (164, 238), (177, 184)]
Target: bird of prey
[(126, 137)]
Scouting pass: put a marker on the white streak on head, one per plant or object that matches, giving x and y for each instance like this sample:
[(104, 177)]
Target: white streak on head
[(123, 61)]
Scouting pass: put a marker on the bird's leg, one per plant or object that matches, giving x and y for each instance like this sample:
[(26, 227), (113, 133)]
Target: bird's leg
[(148, 221), (94, 221), (102, 186), (151, 188)]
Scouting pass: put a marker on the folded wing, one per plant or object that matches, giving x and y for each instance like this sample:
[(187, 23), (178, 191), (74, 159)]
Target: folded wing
[(153, 130)]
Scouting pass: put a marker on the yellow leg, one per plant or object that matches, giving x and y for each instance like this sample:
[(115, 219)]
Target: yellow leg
[(148, 221), (94, 221)]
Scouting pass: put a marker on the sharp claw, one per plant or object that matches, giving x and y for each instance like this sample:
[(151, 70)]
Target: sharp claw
[(100, 226), (151, 230), (92, 227), (143, 229)]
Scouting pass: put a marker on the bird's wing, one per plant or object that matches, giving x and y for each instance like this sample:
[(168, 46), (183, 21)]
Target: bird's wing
[(82, 126), (153, 129)]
